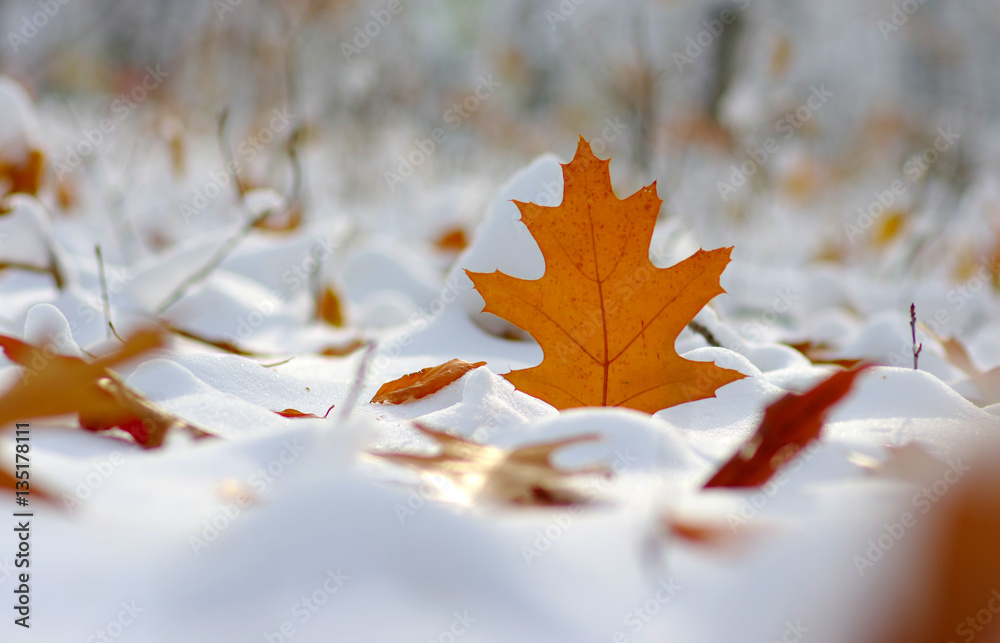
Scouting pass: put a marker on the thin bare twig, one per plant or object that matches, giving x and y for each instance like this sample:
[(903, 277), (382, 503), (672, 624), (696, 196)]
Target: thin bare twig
[(217, 258), (913, 332), (227, 154), (704, 332), (104, 292)]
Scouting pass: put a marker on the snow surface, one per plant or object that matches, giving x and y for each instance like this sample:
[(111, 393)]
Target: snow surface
[(287, 530), (162, 530)]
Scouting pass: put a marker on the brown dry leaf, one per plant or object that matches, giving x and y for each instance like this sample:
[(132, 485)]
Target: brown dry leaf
[(293, 413), (424, 382), (606, 318), (821, 354), (712, 535), (954, 594), (281, 221), (328, 307), (55, 384), (789, 425), (988, 383), (346, 349), (23, 177), (452, 240), (522, 476)]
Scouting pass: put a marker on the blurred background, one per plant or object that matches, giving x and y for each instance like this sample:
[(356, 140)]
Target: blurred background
[(404, 117)]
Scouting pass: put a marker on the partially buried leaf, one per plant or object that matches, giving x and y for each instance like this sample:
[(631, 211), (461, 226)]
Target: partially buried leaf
[(345, 349), (606, 318), (988, 383), (522, 476), (54, 384), (293, 413), (789, 425), (821, 354), (424, 382)]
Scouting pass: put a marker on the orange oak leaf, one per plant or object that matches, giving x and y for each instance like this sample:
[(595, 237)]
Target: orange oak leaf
[(521, 476), (424, 382), (293, 413), (54, 384), (789, 425), (605, 316)]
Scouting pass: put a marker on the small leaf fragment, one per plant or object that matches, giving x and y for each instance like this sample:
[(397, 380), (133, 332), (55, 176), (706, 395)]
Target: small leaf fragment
[(988, 383), (424, 382), (293, 413)]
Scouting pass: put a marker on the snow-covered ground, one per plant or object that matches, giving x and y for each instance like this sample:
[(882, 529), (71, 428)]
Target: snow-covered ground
[(287, 529)]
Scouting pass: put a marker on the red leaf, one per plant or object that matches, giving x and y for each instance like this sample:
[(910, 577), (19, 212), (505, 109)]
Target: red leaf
[(788, 426)]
